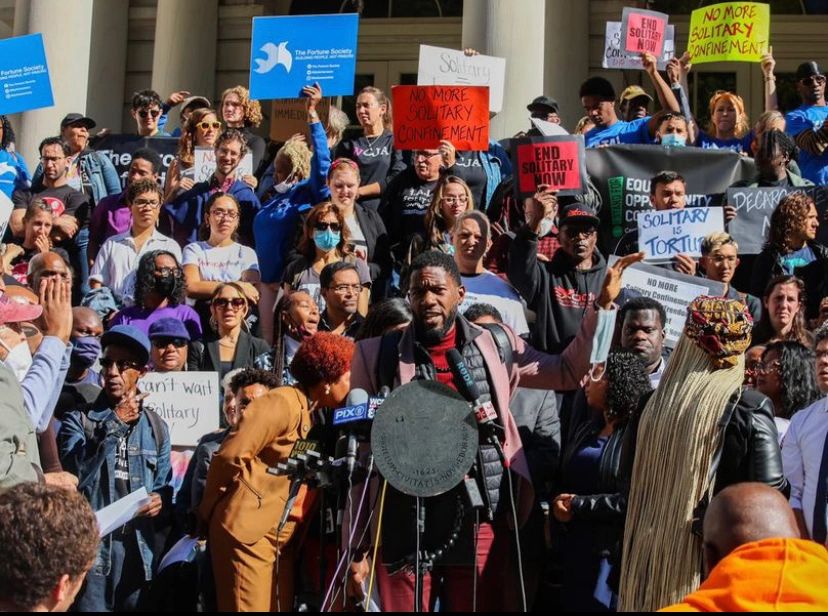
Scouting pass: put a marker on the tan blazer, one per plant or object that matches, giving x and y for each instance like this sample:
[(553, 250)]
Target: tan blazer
[(240, 494)]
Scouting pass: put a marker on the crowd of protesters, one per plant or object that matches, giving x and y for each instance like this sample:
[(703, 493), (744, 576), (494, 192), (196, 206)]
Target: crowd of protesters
[(342, 262)]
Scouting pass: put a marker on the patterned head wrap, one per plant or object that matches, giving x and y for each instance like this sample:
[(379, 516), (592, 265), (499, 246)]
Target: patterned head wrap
[(720, 327)]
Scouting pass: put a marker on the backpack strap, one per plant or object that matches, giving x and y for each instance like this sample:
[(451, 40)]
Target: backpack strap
[(388, 359), (156, 423), (502, 342)]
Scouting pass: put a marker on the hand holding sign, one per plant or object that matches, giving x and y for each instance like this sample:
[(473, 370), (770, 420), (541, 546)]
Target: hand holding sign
[(543, 204), (314, 96)]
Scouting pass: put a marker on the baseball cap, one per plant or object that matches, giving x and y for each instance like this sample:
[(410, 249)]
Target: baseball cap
[(130, 337), (14, 311), (807, 69), (632, 92), (576, 213), (543, 101), (76, 118), (168, 328), (197, 102)]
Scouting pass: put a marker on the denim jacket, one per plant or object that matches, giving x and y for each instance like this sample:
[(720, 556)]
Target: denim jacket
[(149, 466), (101, 173)]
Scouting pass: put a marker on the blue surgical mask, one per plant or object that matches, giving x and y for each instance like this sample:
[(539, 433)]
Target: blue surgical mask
[(85, 351), (672, 140), (327, 240)]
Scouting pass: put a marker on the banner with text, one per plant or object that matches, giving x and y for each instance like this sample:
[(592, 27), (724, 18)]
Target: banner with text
[(449, 67), (616, 57), (187, 401), (622, 174), (643, 30), (729, 32), (664, 234), (754, 207), (24, 74), (289, 52), (290, 116), (204, 163), (559, 162), (119, 149), (424, 115)]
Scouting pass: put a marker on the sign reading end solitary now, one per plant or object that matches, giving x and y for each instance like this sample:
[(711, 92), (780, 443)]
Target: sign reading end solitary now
[(24, 75)]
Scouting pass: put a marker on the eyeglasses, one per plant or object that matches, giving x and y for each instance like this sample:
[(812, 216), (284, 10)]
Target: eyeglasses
[(764, 368), (813, 80), (122, 364), (420, 154), (144, 113), (166, 271), (324, 226), (162, 342), (209, 125), (150, 204), (224, 302), (228, 214), (456, 200), (344, 288)]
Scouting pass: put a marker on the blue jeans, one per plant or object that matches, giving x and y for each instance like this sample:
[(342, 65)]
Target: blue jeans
[(124, 589)]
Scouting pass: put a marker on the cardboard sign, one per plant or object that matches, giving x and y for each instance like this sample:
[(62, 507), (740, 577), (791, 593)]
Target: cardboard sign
[(673, 290), (290, 116), (204, 163), (664, 234), (287, 53), (119, 148), (754, 207), (448, 67), (24, 74), (548, 129), (729, 32), (643, 30), (424, 115), (616, 57), (559, 162), (187, 401)]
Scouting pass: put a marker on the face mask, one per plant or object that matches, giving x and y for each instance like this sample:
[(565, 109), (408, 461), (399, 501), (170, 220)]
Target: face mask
[(19, 360), (327, 240), (85, 352), (282, 187), (672, 140), (602, 339), (164, 285), (545, 226)]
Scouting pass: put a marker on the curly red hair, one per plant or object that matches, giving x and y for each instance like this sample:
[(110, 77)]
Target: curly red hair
[(322, 358)]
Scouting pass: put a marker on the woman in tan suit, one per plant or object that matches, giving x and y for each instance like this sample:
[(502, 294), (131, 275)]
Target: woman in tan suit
[(242, 503)]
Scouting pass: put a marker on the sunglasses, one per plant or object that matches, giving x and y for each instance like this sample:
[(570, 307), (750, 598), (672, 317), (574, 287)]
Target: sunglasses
[(162, 342), (813, 80), (208, 125), (123, 364), (152, 112), (224, 302), (324, 226)]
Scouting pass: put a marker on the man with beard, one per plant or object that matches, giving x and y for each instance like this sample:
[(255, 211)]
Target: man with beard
[(808, 124), (421, 351)]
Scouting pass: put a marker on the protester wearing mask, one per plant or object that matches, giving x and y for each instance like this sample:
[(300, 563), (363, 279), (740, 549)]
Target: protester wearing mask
[(297, 318), (87, 329), (169, 339), (159, 293), (671, 129)]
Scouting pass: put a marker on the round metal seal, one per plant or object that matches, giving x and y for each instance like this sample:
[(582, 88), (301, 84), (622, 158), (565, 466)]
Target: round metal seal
[(424, 438)]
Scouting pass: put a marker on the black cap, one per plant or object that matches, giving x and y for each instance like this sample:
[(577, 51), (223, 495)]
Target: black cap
[(76, 118), (545, 102), (807, 69), (576, 213)]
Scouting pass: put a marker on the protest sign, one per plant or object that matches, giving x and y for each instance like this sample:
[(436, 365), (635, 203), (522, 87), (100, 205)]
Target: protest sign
[(6, 207), (558, 162), (204, 163), (424, 115), (672, 289), (622, 174), (754, 207), (616, 57), (448, 67), (729, 32), (289, 52), (24, 74), (643, 30), (119, 149), (290, 116), (666, 233), (548, 128), (187, 401)]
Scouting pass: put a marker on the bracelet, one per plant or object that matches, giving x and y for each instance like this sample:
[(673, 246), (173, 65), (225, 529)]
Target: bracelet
[(770, 79)]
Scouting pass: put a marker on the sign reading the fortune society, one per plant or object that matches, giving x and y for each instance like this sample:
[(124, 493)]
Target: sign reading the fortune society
[(187, 401), (643, 31), (447, 67), (729, 32), (558, 162), (24, 75), (666, 233), (616, 57), (288, 53)]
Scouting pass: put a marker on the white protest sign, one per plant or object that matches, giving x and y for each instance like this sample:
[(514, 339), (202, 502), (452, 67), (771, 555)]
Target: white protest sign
[(204, 163), (448, 67), (548, 129), (187, 401), (115, 515), (664, 234), (673, 290), (616, 57)]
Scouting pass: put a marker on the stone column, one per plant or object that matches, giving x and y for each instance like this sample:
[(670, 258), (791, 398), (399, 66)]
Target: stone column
[(515, 31), (107, 64), (566, 52), (185, 49)]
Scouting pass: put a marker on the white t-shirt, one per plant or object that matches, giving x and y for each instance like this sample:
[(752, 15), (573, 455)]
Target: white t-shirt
[(488, 288), (220, 263)]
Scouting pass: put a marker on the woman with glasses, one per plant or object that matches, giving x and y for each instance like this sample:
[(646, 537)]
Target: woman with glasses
[(228, 344), (218, 257), (452, 198), (201, 131), (326, 239), (590, 504)]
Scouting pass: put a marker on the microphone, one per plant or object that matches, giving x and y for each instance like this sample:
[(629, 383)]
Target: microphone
[(355, 410)]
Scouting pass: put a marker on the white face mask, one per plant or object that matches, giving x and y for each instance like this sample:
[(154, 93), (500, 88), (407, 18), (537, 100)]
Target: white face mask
[(19, 359), (284, 186)]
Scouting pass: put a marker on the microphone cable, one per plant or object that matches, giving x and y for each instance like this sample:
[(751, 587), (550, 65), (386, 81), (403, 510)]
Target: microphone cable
[(521, 580), (377, 539)]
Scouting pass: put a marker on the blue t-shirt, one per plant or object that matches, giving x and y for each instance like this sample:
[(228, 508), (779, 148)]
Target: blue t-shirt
[(737, 144), (814, 168), (799, 258), (620, 132), (13, 172)]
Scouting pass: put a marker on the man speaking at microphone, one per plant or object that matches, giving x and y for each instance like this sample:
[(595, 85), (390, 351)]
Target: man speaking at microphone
[(422, 351)]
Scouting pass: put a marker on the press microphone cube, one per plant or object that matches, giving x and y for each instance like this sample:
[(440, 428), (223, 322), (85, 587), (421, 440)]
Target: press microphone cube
[(351, 414), (485, 412)]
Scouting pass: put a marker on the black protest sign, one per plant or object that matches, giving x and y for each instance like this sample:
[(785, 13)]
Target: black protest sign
[(119, 149), (558, 162)]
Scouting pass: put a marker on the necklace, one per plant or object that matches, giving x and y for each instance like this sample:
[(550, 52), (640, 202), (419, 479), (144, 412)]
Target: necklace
[(370, 142), (229, 343)]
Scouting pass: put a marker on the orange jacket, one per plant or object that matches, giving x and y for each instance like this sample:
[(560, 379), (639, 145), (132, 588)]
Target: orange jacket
[(772, 575)]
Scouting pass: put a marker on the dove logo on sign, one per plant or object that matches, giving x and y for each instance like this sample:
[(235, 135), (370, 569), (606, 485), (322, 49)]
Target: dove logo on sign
[(276, 55)]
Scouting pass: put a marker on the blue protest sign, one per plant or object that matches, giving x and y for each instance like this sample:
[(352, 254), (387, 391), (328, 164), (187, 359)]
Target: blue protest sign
[(288, 53), (24, 75)]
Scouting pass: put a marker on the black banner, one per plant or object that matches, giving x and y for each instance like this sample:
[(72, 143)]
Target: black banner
[(622, 175), (119, 149)]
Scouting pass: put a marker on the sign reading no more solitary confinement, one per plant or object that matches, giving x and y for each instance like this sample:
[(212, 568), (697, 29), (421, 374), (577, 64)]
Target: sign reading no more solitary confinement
[(558, 162), (187, 401), (24, 75), (287, 53), (666, 233), (729, 32), (424, 115)]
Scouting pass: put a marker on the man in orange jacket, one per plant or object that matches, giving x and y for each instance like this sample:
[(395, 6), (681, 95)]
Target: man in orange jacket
[(755, 559)]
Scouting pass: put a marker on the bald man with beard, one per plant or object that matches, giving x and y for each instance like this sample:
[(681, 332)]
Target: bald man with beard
[(754, 558)]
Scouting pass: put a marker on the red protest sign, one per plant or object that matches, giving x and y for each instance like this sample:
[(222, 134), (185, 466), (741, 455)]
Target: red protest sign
[(643, 31), (558, 162), (423, 115)]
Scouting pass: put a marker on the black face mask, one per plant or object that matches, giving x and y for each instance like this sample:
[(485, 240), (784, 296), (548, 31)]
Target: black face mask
[(165, 285)]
